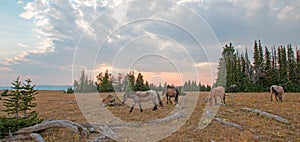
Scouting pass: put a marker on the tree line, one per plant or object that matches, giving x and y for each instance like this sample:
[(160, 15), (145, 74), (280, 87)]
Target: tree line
[(106, 82), (270, 66)]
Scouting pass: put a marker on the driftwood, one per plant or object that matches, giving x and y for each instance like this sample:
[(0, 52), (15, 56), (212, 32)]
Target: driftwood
[(75, 127), (229, 123), (107, 131), (278, 118), (33, 136), (104, 131)]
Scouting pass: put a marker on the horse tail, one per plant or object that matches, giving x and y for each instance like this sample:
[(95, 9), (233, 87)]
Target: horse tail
[(176, 96), (159, 99), (274, 90), (224, 98)]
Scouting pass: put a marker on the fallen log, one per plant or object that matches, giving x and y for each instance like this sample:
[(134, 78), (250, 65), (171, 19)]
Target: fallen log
[(104, 131), (33, 136), (229, 123), (75, 127), (278, 118)]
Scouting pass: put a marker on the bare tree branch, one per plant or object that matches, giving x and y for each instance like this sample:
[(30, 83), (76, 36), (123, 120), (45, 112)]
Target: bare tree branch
[(278, 118)]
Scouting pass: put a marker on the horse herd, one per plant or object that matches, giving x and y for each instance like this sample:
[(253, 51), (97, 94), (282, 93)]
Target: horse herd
[(172, 92)]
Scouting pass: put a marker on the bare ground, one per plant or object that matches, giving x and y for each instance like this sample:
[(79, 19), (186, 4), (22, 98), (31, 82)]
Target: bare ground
[(55, 105)]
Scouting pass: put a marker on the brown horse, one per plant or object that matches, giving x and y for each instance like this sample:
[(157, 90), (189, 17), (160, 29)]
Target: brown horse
[(171, 92), (217, 92), (109, 99), (277, 91)]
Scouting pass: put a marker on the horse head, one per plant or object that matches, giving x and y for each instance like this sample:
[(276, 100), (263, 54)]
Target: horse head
[(126, 96)]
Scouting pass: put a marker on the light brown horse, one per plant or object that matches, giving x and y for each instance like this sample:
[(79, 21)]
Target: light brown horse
[(171, 92), (143, 96), (217, 92), (109, 99), (277, 91)]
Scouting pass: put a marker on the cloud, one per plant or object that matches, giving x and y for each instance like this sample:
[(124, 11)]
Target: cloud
[(6, 69), (23, 45), (98, 32), (205, 64)]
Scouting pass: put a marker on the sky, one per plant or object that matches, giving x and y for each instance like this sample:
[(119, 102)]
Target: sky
[(52, 41)]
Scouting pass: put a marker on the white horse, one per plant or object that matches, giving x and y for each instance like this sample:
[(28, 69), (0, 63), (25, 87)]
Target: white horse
[(217, 92), (277, 91), (143, 96)]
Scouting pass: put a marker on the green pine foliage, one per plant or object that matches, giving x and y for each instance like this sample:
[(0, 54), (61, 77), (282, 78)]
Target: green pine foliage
[(13, 105), (278, 66), (84, 85), (20, 101)]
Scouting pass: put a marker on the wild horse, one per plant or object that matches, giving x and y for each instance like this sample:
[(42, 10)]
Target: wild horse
[(143, 96), (171, 92), (277, 91)]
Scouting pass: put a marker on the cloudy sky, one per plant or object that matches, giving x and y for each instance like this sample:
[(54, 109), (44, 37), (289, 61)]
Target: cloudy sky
[(51, 41)]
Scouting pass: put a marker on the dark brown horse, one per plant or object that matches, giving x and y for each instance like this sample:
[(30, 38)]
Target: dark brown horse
[(277, 91), (171, 92)]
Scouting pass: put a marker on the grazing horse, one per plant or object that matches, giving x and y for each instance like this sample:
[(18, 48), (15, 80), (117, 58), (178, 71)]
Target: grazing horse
[(233, 88), (277, 91), (143, 96), (171, 92), (217, 92), (109, 99)]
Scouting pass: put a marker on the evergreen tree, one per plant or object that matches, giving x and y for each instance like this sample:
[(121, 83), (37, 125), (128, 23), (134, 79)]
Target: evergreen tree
[(106, 83), (28, 96), (85, 84), (269, 72), (139, 84), (282, 62), (14, 102), (291, 69), (130, 84)]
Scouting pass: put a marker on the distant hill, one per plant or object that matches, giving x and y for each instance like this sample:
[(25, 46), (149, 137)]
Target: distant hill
[(44, 87)]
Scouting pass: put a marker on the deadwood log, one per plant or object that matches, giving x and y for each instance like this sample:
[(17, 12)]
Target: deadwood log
[(229, 123), (33, 136), (104, 131), (107, 131), (75, 127), (278, 118)]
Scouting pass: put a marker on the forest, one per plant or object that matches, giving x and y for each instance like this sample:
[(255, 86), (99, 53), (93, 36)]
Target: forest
[(277, 65)]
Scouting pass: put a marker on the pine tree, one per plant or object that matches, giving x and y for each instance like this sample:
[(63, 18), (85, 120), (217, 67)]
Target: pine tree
[(291, 69), (139, 83), (106, 83), (28, 96), (269, 72), (130, 82), (14, 102), (256, 57), (282, 65), (291, 62)]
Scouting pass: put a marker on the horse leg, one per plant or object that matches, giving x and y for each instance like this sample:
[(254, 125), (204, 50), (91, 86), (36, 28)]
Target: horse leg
[(155, 105), (271, 96), (132, 107), (167, 99), (276, 97), (170, 100), (141, 109), (280, 97), (215, 99)]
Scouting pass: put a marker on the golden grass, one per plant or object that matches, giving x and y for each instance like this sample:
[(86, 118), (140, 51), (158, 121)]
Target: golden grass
[(57, 105)]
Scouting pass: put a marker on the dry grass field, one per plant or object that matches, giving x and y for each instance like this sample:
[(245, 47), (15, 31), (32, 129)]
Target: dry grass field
[(55, 105)]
